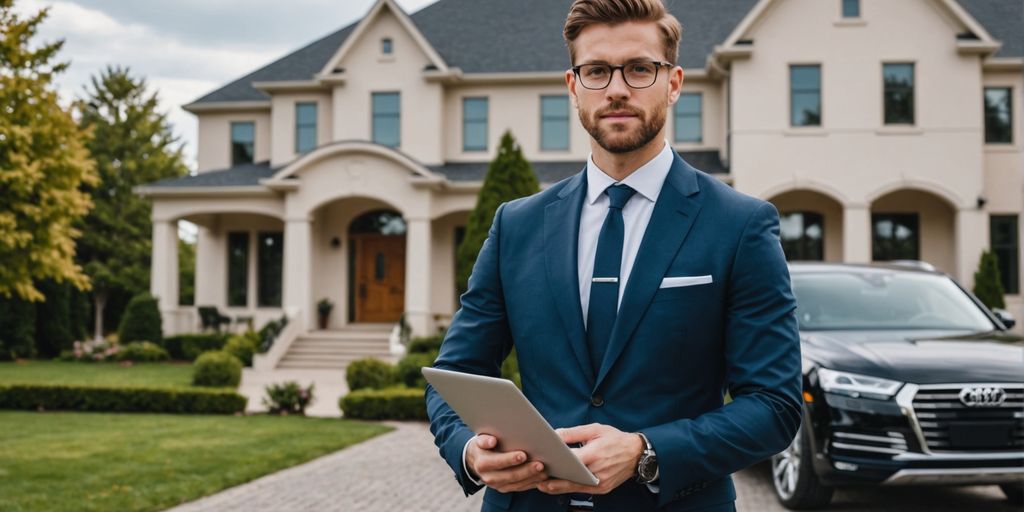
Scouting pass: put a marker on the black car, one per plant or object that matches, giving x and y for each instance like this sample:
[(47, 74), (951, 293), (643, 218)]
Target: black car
[(908, 379)]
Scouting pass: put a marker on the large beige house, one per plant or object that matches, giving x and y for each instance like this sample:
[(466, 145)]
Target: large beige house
[(346, 170)]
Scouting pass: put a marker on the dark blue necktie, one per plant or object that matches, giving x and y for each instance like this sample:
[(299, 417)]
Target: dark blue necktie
[(604, 287)]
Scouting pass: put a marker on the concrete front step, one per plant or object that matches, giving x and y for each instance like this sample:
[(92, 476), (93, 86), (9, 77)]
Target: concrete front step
[(356, 344), (336, 349)]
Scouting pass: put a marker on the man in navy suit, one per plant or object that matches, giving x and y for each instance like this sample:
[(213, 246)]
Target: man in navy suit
[(637, 293)]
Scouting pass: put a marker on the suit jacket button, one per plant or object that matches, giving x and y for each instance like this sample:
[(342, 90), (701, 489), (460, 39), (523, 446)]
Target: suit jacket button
[(597, 400), (563, 500)]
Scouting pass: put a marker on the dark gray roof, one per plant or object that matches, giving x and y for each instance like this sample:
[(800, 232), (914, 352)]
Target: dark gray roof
[(547, 172), (491, 36), (526, 35), (553, 172), (1004, 19), (237, 176)]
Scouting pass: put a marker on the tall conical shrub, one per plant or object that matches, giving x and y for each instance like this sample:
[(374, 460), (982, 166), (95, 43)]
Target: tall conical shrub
[(509, 177), (988, 285)]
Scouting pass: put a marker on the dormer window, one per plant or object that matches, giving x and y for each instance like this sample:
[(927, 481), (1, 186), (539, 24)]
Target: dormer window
[(386, 46), (851, 8)]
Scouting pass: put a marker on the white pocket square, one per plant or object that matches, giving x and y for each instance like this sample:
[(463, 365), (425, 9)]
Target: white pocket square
[(676, 282)]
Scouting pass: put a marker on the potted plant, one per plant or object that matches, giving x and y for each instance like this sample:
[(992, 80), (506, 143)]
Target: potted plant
[(324, 307)]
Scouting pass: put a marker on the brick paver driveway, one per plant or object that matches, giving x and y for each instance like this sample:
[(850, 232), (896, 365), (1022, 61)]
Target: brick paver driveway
[(401, 470)]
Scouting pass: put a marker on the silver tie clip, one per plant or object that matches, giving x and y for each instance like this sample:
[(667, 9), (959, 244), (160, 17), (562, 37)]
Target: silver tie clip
[(605, 280)]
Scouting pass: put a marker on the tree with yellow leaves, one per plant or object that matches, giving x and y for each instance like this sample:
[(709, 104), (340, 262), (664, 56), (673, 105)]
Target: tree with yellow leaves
[(43, 164)]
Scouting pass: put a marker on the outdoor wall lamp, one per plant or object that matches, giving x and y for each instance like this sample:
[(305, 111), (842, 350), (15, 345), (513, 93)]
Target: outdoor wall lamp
[(335, 243), (981, 202)]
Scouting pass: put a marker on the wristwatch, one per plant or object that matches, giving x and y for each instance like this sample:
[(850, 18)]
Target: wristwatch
[(647, 469)]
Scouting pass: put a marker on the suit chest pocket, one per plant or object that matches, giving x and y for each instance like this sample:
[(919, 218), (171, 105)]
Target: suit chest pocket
[(699, 292)]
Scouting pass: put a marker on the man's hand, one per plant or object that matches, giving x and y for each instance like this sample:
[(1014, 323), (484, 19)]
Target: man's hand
[(505, 472), (610, 454)]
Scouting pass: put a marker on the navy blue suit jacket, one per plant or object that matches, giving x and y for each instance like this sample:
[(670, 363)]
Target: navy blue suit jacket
[(673, 353)]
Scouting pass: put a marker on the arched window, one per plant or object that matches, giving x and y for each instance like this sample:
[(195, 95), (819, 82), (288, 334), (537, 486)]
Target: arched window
[(378, 222), (803, 235)]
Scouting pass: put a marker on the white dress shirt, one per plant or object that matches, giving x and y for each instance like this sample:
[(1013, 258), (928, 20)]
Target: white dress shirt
[(647, 181)]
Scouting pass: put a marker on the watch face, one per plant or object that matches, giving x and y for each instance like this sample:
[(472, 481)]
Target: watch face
[(648, 468)]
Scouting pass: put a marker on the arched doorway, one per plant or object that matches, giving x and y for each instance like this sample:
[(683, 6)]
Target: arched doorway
[(911, 224), (810, 225), (377, 266)]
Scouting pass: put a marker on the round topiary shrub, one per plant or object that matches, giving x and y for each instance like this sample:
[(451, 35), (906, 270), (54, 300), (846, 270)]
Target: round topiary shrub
[(217, 369), (408, 369), (142, 351), (369, 373), (242, 347), (141, 320)]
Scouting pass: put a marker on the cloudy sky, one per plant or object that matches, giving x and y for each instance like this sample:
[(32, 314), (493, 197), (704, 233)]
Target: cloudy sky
[(185, 48)]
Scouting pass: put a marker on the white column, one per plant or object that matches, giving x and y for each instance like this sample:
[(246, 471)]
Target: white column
[(417, 276), (163, 282), (298, 238), (857, 234), (206, 269), (971, 239)]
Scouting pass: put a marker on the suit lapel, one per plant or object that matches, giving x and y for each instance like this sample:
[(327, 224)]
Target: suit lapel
[(671, 220), (561, 235)]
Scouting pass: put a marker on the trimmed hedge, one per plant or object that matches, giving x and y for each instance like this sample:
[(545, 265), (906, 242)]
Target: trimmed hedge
[(370, 373), (141, 320), (187, 347), (409, 369), (426, 345), (217, 369), (141, 351), (243, 347), (119, 399), (384, 404)]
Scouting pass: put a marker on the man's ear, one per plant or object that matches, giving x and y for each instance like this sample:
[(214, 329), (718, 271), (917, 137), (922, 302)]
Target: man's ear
[(675, 84), (570, 83)]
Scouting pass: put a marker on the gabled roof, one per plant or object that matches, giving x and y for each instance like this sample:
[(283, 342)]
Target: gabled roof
[(376, 11), (1004, 19), (522, 36), (495, 36)]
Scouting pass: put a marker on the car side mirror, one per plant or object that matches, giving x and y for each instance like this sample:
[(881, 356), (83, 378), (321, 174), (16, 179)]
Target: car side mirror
[(1005, 317)]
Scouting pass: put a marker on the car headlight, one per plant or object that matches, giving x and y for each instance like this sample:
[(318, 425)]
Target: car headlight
[(857, 386)]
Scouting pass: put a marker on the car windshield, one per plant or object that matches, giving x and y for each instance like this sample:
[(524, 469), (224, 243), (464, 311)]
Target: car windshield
[(884, 300)]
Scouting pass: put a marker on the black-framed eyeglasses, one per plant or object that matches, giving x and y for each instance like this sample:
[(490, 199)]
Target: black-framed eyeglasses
[(638, 75)]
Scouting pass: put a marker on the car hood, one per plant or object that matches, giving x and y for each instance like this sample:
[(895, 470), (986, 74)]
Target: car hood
[(920, 357)]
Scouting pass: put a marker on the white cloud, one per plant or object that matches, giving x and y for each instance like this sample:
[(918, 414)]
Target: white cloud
[(173, 56)]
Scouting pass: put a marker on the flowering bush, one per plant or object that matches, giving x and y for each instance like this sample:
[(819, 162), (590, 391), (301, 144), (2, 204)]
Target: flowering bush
[(288, 398), (91, 350)]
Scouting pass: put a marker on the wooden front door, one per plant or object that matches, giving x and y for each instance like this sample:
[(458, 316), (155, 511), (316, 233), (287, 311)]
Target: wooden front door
[(379, 278)]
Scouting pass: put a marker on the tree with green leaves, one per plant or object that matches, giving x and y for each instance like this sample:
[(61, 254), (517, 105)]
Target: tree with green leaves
[(43, 164), (509, 176), (132, 144), (988, 284)]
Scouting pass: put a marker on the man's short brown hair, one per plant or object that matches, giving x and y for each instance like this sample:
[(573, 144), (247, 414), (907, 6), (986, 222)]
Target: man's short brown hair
[(584, 13)]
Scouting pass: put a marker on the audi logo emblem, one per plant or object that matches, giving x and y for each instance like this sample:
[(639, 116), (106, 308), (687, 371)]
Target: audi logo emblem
[(982, 397)]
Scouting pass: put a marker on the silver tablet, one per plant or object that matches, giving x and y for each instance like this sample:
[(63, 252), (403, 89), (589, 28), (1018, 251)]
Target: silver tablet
[(497, 407)]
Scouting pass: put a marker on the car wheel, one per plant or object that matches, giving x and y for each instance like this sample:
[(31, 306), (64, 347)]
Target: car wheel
[(1014, 493), (796, 485)]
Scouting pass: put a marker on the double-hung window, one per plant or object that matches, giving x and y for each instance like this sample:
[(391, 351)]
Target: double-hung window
[(387, 118), (474, 124), (805, 95)]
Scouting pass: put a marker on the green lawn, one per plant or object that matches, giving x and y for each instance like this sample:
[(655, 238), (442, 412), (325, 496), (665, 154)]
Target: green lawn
[(96, 374), (59, 461)]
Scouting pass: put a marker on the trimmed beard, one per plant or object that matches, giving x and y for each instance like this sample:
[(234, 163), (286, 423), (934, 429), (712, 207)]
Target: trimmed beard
[(649, 128)]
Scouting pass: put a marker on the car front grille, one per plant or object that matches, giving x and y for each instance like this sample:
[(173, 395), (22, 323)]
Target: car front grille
[(949, 425)]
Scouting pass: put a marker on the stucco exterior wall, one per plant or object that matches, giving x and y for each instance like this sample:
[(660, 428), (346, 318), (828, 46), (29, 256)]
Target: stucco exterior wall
[(283, 123), (368, 71), (853, 150), (214, 138)]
